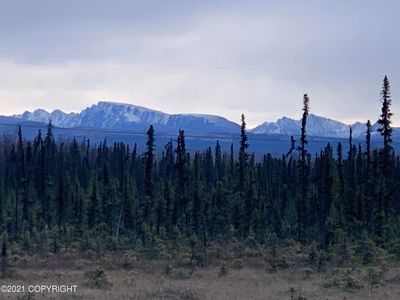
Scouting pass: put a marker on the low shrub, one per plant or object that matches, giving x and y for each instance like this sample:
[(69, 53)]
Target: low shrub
[(97, 279)]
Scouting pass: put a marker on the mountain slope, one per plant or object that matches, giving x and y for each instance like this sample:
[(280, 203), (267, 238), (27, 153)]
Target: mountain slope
[(120, 116), (112, 115), (316, 126)]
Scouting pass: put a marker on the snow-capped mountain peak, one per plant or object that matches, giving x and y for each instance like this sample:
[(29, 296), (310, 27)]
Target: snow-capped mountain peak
[(123, 116), (316, 126), (115, 115)]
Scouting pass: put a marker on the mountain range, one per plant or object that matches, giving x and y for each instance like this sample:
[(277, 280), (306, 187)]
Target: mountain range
[(121, 116), (316, 126)]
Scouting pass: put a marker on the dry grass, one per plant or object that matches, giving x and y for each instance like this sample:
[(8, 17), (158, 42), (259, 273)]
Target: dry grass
[(147, 279)]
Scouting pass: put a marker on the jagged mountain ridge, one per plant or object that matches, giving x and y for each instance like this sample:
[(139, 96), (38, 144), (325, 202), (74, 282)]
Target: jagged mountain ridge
[(121, 116), (316, 126)]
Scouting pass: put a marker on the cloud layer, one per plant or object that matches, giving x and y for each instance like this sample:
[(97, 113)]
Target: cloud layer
[(220, 57)]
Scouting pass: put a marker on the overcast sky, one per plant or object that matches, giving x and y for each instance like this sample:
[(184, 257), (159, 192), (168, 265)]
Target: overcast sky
[(217, 57)]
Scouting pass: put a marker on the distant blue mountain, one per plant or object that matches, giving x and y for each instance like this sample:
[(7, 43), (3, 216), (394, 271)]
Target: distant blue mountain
[(121, 116), (111, 115), (316, 126), (129, 123)]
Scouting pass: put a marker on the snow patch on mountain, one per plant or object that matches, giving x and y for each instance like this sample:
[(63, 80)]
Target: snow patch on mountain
[(115, 115), (123, 116), (316, 126)]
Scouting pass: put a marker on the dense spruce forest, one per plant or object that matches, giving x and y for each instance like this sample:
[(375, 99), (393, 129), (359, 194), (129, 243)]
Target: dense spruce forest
[(73, 195)]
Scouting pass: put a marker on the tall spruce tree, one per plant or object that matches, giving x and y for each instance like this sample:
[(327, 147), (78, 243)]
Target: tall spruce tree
[(302, 201), (148, 177), (369, 180), (368, 142), (341, 179), (182, 199), (350, 193), (243, 155), (386, 132), (385, 121)]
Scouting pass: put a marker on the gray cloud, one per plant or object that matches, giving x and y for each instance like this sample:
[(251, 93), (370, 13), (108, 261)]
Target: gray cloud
[(222, 57)]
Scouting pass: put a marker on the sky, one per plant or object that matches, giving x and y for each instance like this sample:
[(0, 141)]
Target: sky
[(215, 57)]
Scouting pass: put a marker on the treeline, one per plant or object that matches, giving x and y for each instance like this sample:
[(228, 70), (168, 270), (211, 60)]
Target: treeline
[(76, 195)]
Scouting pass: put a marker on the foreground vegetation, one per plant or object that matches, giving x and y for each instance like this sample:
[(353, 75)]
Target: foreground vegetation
[(234, 271)]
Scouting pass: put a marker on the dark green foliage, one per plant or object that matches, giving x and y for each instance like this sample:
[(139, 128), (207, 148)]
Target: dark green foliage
[(149, 206), (97, 279), (302, 199), (223, 270), (243, 155), (181, 206), (386, 161), (55, 196), (385, 119), (3, 258)]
